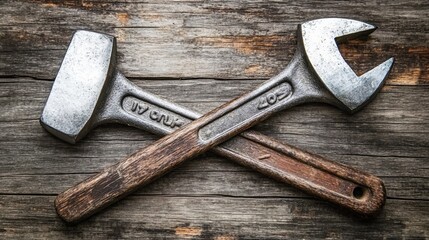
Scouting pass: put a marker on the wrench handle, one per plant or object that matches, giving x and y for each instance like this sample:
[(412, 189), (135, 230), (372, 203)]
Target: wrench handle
[(347, 187)]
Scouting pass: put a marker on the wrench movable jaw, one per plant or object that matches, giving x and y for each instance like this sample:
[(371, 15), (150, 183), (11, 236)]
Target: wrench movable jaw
[(318, 39)]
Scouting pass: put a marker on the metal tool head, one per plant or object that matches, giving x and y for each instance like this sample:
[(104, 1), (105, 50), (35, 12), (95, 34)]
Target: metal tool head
[(74, 98), (318, 39)]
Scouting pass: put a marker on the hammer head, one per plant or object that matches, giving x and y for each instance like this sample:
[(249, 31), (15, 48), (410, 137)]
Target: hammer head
[(318, 39), (80, 83)]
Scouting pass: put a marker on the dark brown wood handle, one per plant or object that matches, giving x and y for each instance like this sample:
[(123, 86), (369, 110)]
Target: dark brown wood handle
[(347, 187), (350, 188), (119, 180)]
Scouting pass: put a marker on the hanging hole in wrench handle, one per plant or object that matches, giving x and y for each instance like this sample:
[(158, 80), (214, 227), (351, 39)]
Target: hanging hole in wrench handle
[(360, 192)]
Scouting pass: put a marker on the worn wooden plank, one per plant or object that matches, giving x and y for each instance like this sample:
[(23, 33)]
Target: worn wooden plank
[(176, 49), (211, 217), (234, 181), (220, 39)]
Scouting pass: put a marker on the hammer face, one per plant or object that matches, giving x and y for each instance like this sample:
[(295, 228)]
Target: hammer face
[(79, 85)]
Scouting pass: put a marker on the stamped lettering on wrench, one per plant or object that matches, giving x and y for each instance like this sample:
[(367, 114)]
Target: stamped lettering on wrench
[(150, 112), (275, 96), (257, 106)]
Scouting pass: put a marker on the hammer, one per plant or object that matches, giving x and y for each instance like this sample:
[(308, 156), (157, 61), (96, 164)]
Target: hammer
[(306, 79)]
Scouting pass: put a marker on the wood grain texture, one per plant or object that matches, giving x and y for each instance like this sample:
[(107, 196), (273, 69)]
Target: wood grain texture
[(183, 51)]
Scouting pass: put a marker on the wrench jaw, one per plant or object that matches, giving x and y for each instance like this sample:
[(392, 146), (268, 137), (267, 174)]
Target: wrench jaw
[(318, 40), (316, 73)]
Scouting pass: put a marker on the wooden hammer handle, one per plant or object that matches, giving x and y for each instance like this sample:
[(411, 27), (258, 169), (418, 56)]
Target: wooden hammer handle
[(119, 180), (347, 187)]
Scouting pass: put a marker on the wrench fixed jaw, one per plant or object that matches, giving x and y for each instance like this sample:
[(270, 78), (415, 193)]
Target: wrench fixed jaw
[(318, 40)]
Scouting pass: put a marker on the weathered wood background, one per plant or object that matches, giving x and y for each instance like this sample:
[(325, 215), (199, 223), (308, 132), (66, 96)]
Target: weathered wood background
[(201, 54)]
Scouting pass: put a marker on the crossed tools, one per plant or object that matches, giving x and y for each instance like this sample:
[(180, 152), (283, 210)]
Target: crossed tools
[(89, 91)]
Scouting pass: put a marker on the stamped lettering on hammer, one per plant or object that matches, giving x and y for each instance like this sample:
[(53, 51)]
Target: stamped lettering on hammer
[(152, 113)]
